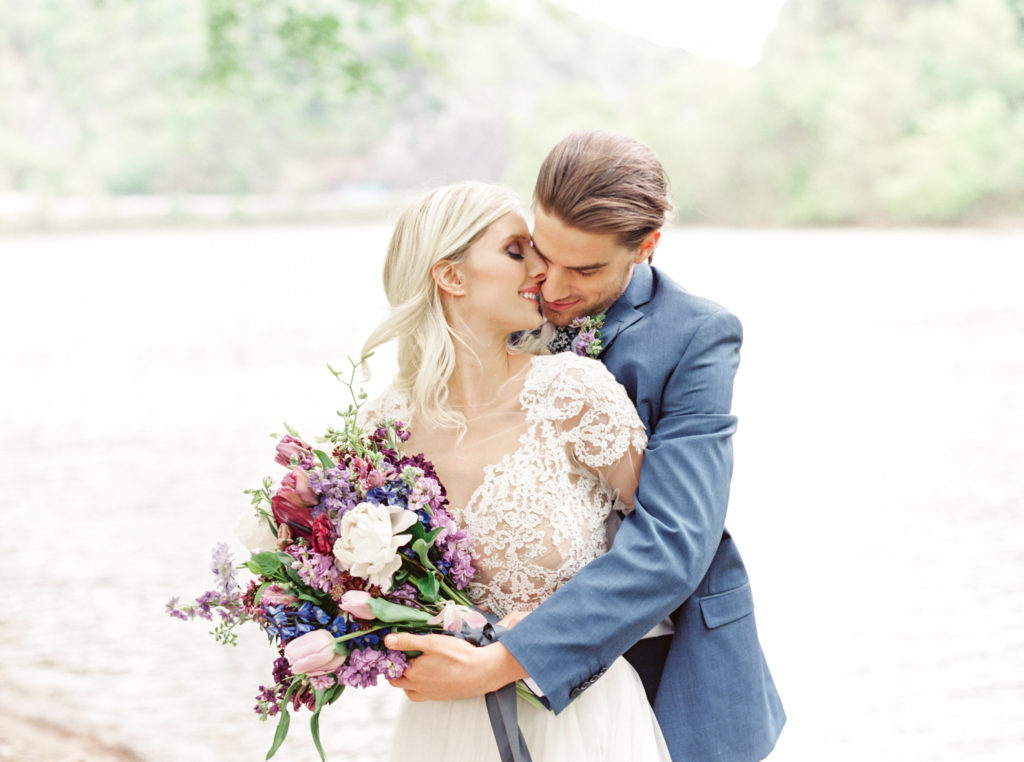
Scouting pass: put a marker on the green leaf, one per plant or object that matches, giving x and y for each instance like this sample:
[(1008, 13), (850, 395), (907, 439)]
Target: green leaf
[(393, 613), (314, 723), (267, 564), (528, 696), (419, 533), (341, 647), (420, 548), (259, 592), (285, 721), (325, 459), (290, 575), (428, 586), (314, 730), (282, 732), (334, 693)]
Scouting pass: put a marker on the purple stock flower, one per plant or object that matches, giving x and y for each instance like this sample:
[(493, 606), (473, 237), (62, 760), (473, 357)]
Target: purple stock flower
[(315, 569), (336, 490), (366, 665), (462, 570), (406, 593), (454, 546), (394, 664), (268, 699), (419, 461), (581, 344), (323, 681), (282, 670), (588, 341)]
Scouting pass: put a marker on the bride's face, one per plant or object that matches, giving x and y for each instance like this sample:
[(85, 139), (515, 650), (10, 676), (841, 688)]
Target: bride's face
[(500, 278)]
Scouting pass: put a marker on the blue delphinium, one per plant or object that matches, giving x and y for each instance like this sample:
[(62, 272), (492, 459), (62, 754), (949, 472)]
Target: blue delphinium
[(289, 623)]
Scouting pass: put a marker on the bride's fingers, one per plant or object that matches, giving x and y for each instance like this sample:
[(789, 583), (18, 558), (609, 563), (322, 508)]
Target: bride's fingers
[(404, 641), (400, 684)]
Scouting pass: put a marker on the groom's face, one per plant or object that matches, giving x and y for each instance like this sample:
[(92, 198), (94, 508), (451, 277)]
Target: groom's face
[(586, 272)]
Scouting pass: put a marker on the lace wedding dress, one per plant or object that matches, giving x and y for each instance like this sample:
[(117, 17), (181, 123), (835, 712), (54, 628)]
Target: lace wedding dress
[(538, 516)]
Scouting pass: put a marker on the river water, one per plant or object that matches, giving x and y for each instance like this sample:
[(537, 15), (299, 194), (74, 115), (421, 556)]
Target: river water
[(878, 495)]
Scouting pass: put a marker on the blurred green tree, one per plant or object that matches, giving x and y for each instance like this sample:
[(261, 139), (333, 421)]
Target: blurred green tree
[(344, 46), (877, 112)]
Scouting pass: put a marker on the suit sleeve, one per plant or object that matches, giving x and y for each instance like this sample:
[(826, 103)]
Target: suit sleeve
[(665, 546)]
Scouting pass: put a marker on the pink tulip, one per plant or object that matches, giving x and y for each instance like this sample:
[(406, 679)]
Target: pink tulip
[(275, 595), (452, 616), (290, 446), (295, 489), (313, 654), (356, 603)]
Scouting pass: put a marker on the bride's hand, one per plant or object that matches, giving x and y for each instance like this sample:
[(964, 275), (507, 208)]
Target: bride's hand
[(448, 668), (512, 618)]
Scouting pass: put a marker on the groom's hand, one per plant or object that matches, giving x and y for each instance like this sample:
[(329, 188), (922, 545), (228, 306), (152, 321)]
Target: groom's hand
[(449, 668)]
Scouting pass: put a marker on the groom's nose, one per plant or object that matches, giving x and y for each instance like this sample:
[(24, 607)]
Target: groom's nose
[(554, 288)]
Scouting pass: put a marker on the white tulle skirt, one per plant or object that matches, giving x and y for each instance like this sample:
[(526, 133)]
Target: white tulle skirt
[(610, 721)]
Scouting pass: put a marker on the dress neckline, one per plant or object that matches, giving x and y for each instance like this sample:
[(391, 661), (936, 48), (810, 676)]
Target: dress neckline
[(491, 470)]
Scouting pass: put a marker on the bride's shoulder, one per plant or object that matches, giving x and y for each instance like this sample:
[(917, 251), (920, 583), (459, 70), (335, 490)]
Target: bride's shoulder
[(567, 371)]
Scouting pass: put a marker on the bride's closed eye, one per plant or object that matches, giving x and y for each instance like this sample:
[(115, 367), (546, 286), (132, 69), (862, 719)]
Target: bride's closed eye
[(515, 251)]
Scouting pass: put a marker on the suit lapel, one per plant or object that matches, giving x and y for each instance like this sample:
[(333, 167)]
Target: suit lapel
[(626, 310)]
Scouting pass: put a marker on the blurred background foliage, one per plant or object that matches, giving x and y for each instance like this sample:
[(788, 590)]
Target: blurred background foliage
[(876, 112)]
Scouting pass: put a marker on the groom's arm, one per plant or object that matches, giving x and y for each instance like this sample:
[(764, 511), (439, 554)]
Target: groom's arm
[(660, 553), (663, 548)]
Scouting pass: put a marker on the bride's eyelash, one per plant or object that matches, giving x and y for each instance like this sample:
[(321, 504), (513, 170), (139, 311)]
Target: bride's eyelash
[(513, 250)]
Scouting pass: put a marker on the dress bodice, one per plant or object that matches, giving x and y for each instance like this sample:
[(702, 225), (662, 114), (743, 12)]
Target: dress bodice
[(540, 512)]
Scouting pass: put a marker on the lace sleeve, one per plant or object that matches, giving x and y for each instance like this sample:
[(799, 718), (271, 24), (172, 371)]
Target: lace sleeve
[(592, 411)]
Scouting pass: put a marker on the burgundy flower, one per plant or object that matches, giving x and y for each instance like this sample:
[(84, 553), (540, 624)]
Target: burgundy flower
[(298, 518), (323, 534)]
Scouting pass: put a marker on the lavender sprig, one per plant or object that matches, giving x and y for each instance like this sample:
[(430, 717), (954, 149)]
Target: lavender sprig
[(588, 341)]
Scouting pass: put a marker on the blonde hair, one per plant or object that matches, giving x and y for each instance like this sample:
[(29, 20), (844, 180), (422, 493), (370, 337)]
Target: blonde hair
[(440, 226)]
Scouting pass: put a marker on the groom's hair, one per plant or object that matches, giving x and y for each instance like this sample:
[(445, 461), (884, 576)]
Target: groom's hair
[(603, 182)]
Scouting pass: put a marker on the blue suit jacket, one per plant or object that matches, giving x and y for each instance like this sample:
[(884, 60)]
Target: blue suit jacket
[(676, 354)]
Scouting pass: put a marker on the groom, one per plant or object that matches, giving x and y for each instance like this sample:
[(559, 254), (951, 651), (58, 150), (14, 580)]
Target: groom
[(672, 593)]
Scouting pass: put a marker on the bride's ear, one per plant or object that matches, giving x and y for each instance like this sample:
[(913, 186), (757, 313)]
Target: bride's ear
[(448, 277)]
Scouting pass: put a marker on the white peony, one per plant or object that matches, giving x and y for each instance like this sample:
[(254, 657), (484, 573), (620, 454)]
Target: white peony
[(254, 532), (369, 539)]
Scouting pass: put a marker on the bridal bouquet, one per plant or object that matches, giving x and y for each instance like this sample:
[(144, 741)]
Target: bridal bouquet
[(354, 542)]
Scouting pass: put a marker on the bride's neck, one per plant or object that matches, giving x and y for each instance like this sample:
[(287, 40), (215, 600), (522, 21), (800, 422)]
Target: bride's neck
[(482, 374)]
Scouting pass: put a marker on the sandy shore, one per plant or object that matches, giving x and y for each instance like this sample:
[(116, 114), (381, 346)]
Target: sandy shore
[(24, 739)]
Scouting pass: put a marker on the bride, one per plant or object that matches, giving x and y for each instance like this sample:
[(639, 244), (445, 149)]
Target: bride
[(536, 452)]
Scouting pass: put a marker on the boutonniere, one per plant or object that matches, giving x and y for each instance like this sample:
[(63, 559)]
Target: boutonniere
[(588, 341)]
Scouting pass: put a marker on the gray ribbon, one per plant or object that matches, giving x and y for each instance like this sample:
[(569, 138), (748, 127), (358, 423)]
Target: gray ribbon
[(501, 704)]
